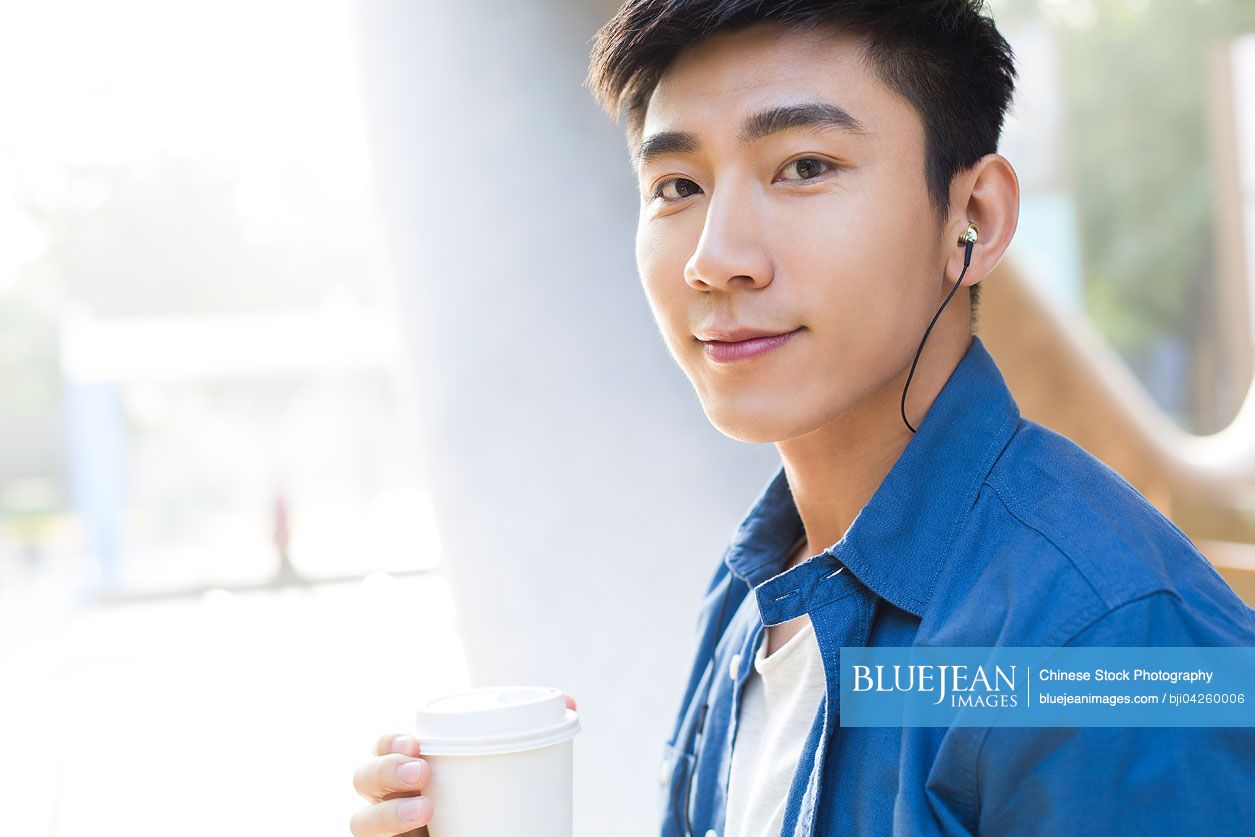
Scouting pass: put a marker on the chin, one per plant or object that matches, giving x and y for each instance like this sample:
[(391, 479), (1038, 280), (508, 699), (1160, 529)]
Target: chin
[(761, 420)]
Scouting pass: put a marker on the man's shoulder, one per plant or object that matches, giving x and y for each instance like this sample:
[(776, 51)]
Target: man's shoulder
[(1091, 516), (1075, 544)]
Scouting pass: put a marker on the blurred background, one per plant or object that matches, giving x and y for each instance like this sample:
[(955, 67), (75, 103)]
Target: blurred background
[(327, 384)]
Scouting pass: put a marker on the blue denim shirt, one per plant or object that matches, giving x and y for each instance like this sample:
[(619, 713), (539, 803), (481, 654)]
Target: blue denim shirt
[(990, 529)]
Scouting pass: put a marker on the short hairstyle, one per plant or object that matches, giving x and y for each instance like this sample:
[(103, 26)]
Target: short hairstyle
[(943, 56)]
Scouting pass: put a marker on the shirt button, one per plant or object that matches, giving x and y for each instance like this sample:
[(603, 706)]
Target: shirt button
[(710, 832), (734, 670)]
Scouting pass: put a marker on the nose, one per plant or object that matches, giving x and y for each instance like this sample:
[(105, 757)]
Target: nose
[(733, 244)]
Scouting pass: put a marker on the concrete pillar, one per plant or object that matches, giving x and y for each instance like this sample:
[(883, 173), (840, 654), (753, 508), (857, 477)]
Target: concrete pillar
[(583, 499)]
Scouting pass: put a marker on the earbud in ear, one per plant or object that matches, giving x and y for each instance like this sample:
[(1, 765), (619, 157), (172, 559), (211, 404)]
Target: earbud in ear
[(969, 235)]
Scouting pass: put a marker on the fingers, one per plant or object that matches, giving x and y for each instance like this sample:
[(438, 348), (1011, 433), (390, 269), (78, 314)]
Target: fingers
[(391, 817), (391, 773), (396, 742), (570, 701), (391, 783)]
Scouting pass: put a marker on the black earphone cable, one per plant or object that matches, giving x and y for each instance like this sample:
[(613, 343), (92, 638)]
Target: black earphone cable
[(967, 260)]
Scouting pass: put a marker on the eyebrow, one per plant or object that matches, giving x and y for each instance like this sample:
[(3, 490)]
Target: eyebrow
[(775, 120)]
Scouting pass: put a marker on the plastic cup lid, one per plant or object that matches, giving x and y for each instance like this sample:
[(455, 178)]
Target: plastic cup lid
[(494, 719)]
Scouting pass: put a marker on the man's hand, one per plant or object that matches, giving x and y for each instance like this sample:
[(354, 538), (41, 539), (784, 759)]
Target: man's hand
[(391, 782)]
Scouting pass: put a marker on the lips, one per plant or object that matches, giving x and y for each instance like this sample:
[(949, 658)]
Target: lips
[(757, 343)]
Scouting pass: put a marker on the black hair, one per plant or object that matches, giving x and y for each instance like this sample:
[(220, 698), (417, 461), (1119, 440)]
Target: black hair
[(943, 56)]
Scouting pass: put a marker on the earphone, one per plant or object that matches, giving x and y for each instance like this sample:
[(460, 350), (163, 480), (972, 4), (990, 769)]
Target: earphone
[(966, 240)]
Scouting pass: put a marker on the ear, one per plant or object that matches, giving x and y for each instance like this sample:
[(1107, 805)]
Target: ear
[(987, 194)]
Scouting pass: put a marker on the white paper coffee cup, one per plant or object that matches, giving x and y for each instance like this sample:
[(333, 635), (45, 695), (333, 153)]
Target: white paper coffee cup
[(501, 762)]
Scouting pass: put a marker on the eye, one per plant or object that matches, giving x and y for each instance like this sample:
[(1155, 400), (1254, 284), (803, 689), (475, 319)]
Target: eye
[(683, 186), (809, 168)]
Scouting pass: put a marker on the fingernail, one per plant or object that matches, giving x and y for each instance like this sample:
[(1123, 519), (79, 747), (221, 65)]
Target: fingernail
[(410, 772), (413, 809), (404, 744)]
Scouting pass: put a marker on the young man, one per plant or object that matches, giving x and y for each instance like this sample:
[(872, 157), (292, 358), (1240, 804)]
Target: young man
[(810, 171), (812, 176)]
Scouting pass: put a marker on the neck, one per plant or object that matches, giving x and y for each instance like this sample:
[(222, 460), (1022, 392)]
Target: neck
[(833, 471)]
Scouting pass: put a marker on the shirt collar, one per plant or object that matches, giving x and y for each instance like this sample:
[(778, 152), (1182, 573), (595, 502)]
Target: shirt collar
[(899, 540)]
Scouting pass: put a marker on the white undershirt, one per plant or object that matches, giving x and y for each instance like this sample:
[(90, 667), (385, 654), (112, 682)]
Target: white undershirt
[(779, 703)]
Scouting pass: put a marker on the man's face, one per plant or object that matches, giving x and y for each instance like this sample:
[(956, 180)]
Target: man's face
[(824, 232)]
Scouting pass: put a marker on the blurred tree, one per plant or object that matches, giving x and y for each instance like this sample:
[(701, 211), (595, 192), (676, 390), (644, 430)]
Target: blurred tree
[(1135, 75)]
